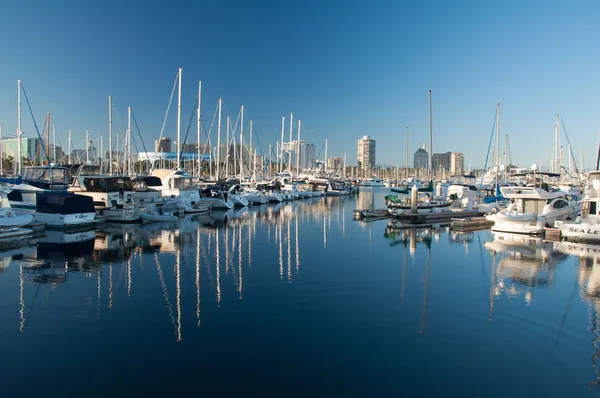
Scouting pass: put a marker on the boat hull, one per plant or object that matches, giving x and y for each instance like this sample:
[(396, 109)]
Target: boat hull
[(583, 232)]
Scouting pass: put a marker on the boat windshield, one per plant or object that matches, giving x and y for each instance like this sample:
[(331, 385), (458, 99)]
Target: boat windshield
[(182, 183), (49, 174), (107, 184)]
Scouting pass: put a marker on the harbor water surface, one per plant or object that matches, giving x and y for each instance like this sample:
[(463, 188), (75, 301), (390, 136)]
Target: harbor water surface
[(298, 299)]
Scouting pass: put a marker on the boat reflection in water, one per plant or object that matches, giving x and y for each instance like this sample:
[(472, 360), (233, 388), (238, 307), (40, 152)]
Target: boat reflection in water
[(526, 262), (218, 246)]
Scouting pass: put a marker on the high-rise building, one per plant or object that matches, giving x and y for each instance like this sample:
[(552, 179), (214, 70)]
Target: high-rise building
[(421, 158), (31, 148), (162, 145), (366, 153), (335, 163), (457, 163), (307, 153), (440, 161)]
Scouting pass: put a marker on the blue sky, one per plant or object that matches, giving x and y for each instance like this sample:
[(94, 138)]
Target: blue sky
[(346, 68)]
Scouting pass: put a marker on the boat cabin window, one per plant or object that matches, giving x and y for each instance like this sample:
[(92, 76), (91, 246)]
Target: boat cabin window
[(559, 204), (593, 207), (182, 183), (107, 184)]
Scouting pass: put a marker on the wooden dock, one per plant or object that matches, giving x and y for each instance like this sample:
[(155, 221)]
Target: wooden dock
[(552, 234), (436, 218)]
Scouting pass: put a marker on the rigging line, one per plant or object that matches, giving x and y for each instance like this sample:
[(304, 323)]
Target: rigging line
[(488, 151), (569, 142), (140, 134), (168, 107), (208, 133), (35, 123)]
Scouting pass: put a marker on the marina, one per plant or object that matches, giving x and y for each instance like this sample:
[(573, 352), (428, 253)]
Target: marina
[(274, 284)]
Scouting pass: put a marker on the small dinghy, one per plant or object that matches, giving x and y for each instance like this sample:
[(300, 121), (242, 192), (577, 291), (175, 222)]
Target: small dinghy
[(150, 217), (11, 223)]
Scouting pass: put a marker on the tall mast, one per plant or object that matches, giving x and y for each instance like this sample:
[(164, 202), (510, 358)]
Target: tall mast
[(280, 152), (20, 160), (254, 163), (298, 153), (227, 149), (110, 166), (101, 159), (129, 140), (250, 157), (69, 148), (430, 137), (407, 161), (291, 128), (241, 143), (87, 146), (53, 143), (326, 155), (178, 119), (198, 129), (219, 141), (344, 175), (497, 146), (556, 144), (47, 141)]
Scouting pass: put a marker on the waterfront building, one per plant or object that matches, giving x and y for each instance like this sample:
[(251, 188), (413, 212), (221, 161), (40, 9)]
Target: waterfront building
[(162, 145), (335, 163), (421, 158), (366, 153), (31, 148), (307, 153), (441, 161), (457, 163)]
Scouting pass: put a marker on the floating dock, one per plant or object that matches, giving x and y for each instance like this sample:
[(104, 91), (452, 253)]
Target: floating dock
[(470, 223), (437, 218), (552, 234)]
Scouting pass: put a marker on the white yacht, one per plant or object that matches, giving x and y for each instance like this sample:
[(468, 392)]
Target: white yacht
[(587, 226), (179, 184), (531, 209), (112, 196), (371, 182), (153, 206), (238, 199), (43, 194)]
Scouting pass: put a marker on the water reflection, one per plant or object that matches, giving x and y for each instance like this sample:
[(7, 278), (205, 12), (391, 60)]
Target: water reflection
[(520, 264), (218, 246)]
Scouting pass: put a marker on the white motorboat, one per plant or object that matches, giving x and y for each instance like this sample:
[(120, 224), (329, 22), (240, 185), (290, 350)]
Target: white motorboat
[(371, 182), (43, 194), (531, 209), (402, 204), (587, 226), (11, 223), (112, 195), (179, 184), (236, 197), (215, 196)]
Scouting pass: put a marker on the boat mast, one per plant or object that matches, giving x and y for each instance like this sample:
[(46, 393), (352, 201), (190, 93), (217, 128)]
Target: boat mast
[(87, 146), (241, 143), (198, 128), (556, 155), (47, 141), (254, 163), (219, 142), (280, 151), (497, 145), (430, 137), (298, 153), (407, 161), (250, 158), (129, 140), (110, 165), (178, 119), (20, 160), (53, 143), (344, 175), (325, 155), (69, 148), (227, 149), (100, 159)]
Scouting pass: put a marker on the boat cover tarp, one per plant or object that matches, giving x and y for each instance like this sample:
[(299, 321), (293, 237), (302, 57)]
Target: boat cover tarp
[(58, 202)]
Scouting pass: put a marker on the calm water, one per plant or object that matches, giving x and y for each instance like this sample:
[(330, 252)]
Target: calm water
[(298, 300)]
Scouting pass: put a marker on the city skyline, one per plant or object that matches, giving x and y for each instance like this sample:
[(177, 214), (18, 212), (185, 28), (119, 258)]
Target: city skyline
[(470, 55)]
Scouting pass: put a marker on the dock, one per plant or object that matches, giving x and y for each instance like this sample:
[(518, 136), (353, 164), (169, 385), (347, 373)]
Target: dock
[(470, 223), (437, 218)]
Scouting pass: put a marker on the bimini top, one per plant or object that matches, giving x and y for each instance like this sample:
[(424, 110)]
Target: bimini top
[(529, 193)]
